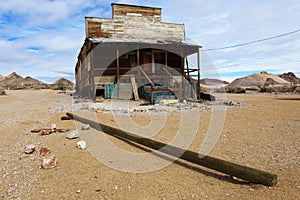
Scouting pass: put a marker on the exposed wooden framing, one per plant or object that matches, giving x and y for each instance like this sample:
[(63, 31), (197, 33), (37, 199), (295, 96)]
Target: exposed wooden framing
[(181, 86), (134, 88), (147, 77), (138, 64), (167, 82), (198, 70), (160, 89), (170, 75), (187, 68), (246, 173), (118, 70)]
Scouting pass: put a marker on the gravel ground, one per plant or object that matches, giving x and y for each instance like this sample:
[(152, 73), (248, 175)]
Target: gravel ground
[(260, 131)]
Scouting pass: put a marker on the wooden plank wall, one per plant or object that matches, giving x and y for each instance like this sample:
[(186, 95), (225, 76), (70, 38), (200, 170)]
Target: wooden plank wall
[(134, 22)]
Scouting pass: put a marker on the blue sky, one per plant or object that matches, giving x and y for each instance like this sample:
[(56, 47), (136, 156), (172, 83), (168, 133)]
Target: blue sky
[(42, 38)]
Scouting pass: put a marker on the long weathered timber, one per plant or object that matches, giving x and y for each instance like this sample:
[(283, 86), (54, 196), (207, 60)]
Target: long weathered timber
[(243, 172)]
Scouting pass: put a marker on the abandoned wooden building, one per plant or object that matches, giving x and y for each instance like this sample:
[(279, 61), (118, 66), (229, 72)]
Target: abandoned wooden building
[(135, 55)]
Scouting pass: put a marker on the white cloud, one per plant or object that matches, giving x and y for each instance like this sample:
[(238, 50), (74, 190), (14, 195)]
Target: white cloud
[(42, 37)]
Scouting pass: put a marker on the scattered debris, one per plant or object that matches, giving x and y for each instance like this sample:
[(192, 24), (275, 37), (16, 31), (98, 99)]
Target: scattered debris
[(73, 135), (53, 126), (49, 163), (81, 144), (29, 149), (99, 99), (44, 150), (85, 127), (168, 101), (48, 131)]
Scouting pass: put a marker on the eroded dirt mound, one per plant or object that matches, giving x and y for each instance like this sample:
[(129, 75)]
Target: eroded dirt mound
[(258, 80), (290, 77)]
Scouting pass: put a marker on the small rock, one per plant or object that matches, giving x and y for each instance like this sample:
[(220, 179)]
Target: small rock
[(53, 126), (78, 191), (49, 163), (29, 149), (251, 190), (44, 150), (85, 127), (81, 144), (73, 135)]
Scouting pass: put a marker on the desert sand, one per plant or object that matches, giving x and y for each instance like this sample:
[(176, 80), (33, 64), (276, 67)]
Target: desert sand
[(263, 135)]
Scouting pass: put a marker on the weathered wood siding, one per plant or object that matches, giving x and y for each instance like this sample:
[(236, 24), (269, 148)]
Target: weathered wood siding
[(134, 22), (121, 11)]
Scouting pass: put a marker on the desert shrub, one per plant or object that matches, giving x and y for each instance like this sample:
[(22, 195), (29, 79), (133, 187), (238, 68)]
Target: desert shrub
[(220, 90), (2, 91), (286, 89), (297, 89), (266, 89), (253, 89), (203, 89), (237, 90)]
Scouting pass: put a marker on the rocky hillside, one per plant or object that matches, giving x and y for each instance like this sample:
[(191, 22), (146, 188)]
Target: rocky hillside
[(259, 80), (210, 81), (63, 84), (290, 77), (15, 81)]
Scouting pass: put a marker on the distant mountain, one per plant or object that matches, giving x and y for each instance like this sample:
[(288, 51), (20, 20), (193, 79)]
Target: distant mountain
[(15, 81), (31, 81), (2, 77), (12, 79), (290, 77), (210, 81), (258, 80), (63, 84)]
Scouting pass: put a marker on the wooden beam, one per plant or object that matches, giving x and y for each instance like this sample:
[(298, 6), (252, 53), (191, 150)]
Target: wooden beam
[(134, 88), (198, 71), (118, 71), (147, 77), (138, 64), (246, 173), (160, 89)]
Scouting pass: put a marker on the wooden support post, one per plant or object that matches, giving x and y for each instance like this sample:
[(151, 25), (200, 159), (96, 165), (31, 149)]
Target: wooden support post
[(147, 77), (138, 64), (134, 88), (166, 80), (246, 173), (181, 86), (198, 71), (118, 71)]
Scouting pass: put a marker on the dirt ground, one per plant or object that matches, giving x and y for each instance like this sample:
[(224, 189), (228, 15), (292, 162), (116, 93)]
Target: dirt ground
[(263, 135)]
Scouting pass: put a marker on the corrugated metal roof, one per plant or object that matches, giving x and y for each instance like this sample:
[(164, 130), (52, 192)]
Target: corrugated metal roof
[(117, 40)]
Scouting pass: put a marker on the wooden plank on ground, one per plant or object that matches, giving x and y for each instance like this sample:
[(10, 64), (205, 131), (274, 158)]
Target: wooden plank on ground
[(243, 172)]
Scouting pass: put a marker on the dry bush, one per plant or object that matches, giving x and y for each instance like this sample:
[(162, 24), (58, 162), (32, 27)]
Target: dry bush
[(237, 90), (2, 91)]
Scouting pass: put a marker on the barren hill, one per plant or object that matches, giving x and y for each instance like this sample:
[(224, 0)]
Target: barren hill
[(258, 80), (291, 77), (15, 81), (63, 84), (12, 79), (2, 77), (211, 81), (32, 81)]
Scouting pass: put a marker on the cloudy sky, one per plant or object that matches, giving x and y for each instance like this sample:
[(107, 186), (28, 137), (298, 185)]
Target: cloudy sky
[(42, 38)]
